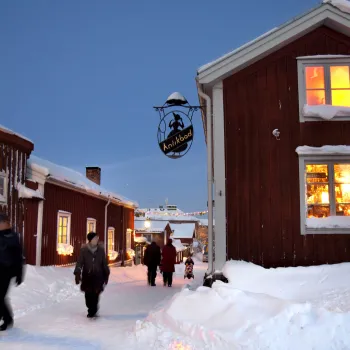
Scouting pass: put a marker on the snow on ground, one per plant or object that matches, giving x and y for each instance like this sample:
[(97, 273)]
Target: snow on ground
[(50, 312), (286, 308)]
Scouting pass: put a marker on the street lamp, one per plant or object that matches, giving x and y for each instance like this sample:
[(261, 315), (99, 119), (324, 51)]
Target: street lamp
[(147, 223)]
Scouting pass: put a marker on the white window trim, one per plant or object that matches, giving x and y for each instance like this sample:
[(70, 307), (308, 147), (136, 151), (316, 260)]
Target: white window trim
[(3, 198), (111, 229), (88, 221), (317, 159), (313, 61), (66, 214), (128, 238)]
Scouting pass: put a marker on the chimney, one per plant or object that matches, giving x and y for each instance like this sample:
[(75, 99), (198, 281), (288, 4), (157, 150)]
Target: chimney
[(93, 173)]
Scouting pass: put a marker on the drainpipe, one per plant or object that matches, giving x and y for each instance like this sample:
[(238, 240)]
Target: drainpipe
[(106, 227), (210, 178), (39, 227)]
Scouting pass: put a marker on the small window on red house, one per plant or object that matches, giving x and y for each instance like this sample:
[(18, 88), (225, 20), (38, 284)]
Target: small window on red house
[(324, 87)]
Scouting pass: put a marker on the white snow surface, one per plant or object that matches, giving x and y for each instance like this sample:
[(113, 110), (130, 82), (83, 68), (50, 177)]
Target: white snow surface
[(50, 311), (326, 112), (176, 96), (178, 245), (183, 230), (25, 192), (8, 131), (342, 5), (285, 308), (74, 178), (329, 222), (324, 150), (321, 57)]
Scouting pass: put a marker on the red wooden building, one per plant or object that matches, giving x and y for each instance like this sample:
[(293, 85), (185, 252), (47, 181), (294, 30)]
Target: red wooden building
[(74, 205), (278, 203), (14, 152)]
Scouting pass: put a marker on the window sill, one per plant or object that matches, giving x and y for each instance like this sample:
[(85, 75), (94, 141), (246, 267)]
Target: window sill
[(325, 112), (329, 225)]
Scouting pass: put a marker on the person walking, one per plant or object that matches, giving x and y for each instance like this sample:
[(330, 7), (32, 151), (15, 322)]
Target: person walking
[(92, 271), (11, 266), (168, 263), (152, 260)]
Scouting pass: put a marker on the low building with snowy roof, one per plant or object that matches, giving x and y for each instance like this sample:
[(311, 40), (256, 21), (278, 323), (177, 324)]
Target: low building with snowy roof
[(281, 161), (58, 206), (184, 232)]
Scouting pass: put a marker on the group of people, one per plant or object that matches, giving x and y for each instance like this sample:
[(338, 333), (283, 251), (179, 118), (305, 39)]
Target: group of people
[(165, 259), (91, 270)]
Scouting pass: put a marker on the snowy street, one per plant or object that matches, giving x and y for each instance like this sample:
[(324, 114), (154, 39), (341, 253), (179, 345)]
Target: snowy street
[(62, 323)]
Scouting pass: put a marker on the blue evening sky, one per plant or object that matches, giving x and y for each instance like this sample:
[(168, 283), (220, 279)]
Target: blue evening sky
[(80, 77)]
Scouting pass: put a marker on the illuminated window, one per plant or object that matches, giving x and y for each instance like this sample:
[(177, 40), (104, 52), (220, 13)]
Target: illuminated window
[(3, 187), (111, 235), (324, 82), (324, 194), (90, 225), (63, 227)]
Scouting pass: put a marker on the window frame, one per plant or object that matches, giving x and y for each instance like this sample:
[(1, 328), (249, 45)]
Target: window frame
[(319, 159), (88, 221), (326, 63), (62, 213), (3, 197), (113, 236)]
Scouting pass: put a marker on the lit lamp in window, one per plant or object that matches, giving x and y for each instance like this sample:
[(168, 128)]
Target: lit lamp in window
[(147, 223)]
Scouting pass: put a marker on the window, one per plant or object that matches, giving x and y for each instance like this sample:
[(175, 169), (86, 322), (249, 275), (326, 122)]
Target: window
[(148, 236), (324, 82), (3, 187), (325, 194), (63, 227), (90, 225), (128, 238), (111, 231)]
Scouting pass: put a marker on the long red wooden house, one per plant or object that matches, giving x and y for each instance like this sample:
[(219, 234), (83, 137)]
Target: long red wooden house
[(281, 136), (54, 207)]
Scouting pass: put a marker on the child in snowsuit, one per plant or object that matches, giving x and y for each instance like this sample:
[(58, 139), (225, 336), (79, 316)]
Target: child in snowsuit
[(189, 267)]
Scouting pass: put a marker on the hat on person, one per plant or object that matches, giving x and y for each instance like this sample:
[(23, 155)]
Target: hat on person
[(4, 217), (91, 236)]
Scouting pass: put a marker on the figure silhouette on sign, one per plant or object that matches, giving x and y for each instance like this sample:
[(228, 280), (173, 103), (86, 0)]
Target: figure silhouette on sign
[(175, 124)]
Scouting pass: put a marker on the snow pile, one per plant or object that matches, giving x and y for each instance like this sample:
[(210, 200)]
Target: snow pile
[(326, 112), (178, 245), (42, 287), (73, 178), (324, 150), (25, 192), (342, 5), (329, 222), (285, 308)]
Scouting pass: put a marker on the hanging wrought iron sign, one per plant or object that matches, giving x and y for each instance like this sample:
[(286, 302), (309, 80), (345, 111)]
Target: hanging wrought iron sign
[(175, 128)]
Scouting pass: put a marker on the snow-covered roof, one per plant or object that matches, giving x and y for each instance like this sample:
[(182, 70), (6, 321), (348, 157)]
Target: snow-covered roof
[(75, 179), (333, 13), (155, 226), (10, 132), (183, 230), (324, 150)]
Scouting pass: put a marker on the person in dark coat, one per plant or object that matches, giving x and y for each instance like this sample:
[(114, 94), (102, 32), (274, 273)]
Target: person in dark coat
[(11, 266), (152, 259), (168, 263), (92, 271)]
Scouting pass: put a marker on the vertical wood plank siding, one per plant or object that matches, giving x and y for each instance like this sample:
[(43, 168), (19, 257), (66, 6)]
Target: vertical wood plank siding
[(262, 186), (14, 153)]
